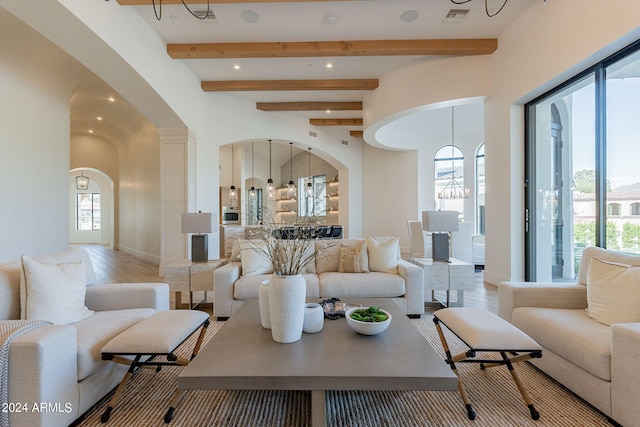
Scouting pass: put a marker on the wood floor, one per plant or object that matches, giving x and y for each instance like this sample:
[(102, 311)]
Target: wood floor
[(113, 266)]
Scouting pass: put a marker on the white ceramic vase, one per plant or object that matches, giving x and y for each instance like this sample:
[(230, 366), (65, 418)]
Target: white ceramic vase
[(286, 306), (313, 318), (263, 300)]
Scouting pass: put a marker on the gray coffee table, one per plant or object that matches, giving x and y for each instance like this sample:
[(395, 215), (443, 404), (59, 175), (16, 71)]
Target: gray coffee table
[(243, 356)]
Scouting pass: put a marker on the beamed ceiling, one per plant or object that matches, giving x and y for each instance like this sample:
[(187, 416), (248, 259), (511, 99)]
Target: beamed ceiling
[(318, 58)]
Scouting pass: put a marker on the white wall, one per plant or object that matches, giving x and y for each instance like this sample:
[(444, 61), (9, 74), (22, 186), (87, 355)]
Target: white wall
[(34, 142)]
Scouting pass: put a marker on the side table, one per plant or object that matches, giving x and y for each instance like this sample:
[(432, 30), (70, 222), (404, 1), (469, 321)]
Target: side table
[(454, 275), (189, 276)]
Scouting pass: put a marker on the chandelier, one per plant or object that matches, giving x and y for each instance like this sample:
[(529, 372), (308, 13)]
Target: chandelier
[(453, 189), (82, 181)]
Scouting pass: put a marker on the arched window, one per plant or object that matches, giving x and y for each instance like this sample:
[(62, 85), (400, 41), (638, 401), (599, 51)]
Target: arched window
[(480, 190), (449, 179)]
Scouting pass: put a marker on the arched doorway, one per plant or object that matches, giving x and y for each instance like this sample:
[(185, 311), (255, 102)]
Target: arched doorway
[(91, 210)]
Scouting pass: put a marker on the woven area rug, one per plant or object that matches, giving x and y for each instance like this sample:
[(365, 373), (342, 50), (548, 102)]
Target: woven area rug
[(492, 392)]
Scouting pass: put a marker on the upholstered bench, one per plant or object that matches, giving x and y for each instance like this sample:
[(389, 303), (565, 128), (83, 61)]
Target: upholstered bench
[(151, 340), (482, 331)]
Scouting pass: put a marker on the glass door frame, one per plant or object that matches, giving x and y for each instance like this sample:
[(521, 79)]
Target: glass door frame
[(598, 71)]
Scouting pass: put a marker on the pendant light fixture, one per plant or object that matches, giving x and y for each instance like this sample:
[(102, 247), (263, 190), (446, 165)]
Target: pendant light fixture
[(291, 187), (82, 182), (310, 183), (252, 190), (271, 190), (233, 194), (453, 189)]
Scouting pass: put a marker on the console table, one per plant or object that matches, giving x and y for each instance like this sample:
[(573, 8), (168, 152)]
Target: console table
[(454, 275), (189, 276)]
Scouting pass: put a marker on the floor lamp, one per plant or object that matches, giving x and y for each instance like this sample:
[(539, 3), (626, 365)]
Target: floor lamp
[(440, 223), (198, 223)]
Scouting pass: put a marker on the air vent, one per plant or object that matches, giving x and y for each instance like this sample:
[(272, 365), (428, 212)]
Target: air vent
[(313, 134), (456, 15), (344, 142), (207, 14)]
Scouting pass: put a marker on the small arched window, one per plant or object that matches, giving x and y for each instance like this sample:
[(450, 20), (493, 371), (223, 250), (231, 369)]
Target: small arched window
[(449, 179)]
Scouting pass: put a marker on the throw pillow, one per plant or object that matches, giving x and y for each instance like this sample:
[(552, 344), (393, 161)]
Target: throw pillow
[(383, 254), (354, 260), (253, 261), (613, 292), (53, 292)]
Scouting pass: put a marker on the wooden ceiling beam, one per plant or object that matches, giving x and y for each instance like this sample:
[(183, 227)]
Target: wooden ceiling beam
[(336, 122), (332, 48), (308, 106), (261, 85), (204, 2)]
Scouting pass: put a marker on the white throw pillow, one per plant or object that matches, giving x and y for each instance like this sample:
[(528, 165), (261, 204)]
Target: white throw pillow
[(53, 292), (383, 254), (613, 292), (253, 261)]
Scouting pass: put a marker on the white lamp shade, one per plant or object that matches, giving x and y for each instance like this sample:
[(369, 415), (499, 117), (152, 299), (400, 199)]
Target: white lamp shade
[(196, 222), (435, 221)]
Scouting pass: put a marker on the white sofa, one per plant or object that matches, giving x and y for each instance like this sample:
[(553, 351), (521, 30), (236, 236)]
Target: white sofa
[(325, 281), (596, 361), (60, 365)]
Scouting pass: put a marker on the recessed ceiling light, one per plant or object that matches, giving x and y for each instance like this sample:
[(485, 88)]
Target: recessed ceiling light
[(90, 130), (236, 67), (99, 118), (250, 16), (409, 16), (111, 99), (328, 111), (329, 65)]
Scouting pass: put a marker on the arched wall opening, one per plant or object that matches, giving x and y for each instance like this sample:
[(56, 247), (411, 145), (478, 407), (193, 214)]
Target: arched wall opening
[(91, 211)]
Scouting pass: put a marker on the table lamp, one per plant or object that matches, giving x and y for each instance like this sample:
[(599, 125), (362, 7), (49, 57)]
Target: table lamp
[(198, 223), (440, 223)]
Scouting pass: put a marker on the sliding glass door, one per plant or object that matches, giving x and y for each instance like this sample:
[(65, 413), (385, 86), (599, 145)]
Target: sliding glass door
[(582, 179)]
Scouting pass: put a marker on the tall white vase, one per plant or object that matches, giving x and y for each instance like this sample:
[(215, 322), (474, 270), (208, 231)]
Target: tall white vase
[(263, 300), (286, 306)]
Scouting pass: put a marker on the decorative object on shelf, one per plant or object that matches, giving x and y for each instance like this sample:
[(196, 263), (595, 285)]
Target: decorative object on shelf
[(291, 186), (313, 318), (440, 223), (82, 182), (252, 190), (453, 189), (310, 183), (233, 194), (199, 223), (263, 302), (271, 189)]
